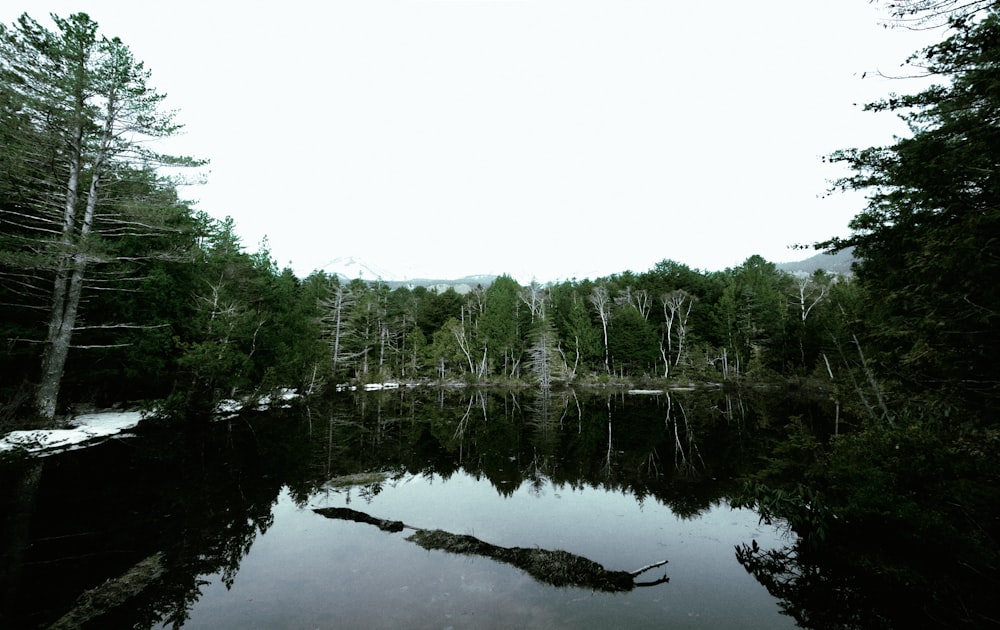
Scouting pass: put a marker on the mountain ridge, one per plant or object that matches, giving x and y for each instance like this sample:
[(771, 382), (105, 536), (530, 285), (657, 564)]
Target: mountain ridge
[(839, 263), (352, 267)]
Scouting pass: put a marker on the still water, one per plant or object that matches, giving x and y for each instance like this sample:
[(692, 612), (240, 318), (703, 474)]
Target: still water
[(216, 528), (307, 571)]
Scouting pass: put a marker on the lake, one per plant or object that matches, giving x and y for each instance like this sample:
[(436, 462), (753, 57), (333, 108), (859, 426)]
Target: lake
[(215, 525)]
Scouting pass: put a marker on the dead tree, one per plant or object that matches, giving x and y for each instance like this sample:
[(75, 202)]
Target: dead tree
[(601, 300)]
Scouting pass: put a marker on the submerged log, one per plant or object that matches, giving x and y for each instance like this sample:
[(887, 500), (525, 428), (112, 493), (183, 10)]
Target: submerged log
[(555, 567), (347, 514), (558, 568), (99, 600)]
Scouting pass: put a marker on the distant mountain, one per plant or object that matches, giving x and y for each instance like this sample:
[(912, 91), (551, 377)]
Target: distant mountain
[(354, 268), (839, 263), (349, 268), (461, 285)]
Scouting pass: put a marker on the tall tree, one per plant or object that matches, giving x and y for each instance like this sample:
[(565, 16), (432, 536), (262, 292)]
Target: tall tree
[(337, 309), (927, 239), (633, 344), (582, 340), (545, 359), (807, 295), (676, 311), (86, 100), (225, 332), (498, 326), (755, 308), (601, 300)]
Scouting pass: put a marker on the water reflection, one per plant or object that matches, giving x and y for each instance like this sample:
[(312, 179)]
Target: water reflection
[(612, 477), (198, 498)]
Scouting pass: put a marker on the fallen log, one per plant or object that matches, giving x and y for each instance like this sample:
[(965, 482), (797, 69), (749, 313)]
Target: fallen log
[(555, 567), (347, 514), (99, 600)]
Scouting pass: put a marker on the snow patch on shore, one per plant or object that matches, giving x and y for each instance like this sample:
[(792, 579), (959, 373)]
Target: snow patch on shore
[(81, 430), (86, 429)]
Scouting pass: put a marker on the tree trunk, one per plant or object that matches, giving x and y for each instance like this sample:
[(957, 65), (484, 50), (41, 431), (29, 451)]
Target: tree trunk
[(57, 346), (66, 299), (601, 300)]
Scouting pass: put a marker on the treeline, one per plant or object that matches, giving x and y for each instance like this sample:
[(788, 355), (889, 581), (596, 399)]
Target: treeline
[(668, 322), (211, 321)]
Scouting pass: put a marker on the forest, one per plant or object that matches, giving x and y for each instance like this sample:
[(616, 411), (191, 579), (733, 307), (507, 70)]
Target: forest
[(116, 292)]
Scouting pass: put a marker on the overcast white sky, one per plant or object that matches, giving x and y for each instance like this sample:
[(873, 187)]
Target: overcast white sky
[(541, 138)]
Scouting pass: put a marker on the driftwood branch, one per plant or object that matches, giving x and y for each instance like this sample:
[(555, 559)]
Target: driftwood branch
[(559, 568), (648, 567)]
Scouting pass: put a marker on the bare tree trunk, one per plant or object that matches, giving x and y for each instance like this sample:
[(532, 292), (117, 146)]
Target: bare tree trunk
[(682, 332), (66, 299), (872, 382), (57, 346), (534, 296), (810, 293), (336, 307), (458, 330), (602, 301), (640, 299)]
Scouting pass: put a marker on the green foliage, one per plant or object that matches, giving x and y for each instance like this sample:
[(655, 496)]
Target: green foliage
[(754, 307), (633, 344), (434, 309), (579, 334), (499, 325), (803, 509), (252, 329), (933, 218), (799, 454), (443, 352), (910, 494), (919, 488)]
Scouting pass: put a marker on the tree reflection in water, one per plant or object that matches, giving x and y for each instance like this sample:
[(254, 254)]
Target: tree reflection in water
[(200, 497)]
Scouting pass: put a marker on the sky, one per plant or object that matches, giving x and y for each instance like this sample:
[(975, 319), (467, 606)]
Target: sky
[(545, 139)]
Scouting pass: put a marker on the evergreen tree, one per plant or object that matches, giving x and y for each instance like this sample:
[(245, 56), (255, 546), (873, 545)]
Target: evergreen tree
[(632, 343), (581, 339), (928, 239), (754, 307), (499, 327), (81, 112)]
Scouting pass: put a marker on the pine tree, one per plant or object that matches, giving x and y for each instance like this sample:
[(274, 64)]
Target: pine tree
[(81, 111), (929, 238)]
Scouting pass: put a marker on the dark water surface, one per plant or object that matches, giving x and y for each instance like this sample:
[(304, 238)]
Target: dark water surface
[(310, 572), (215, 527)]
